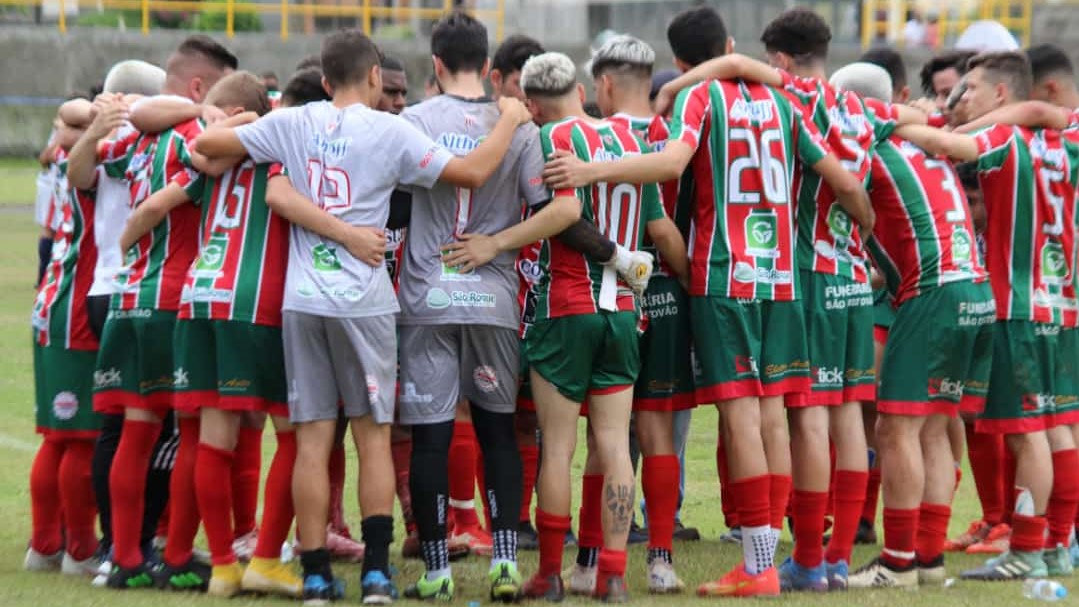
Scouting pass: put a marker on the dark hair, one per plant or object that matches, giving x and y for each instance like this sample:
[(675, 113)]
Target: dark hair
[(208, 49), (304, 87), (309, 61), (97, 89), (591, 108), (1009, 67), (510, 56), (348, 56), (951, 60), (1048, 60), (800, 33), (968, 175), (891, 61), (697, 35), (460, 41), (392, 64)]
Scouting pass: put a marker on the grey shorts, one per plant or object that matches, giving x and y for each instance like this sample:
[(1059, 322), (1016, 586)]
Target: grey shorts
[(351, 361), (442, 364)]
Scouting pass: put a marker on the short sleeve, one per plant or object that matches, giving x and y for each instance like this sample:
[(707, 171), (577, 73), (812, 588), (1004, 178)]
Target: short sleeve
[(691, 110), (266, 138), (115, 155), (421, 160), (805, 88), (530, 184), (183, 173), (811, 145), (276, 169), (555, 137), (937, 120), (884, 117), (994, 145)]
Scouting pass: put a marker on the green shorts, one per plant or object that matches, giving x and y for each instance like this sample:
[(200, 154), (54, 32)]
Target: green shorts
[(1066, 409), (228, 365), (63, 390), (941, 343), (1022, 379), (748, 347), (587, 353), (883, 311), (839, 333), (666, 379), (134, 363), (524, 384)]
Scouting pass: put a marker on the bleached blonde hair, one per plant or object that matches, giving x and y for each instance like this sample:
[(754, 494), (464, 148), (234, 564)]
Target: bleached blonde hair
[(134, 77), (548, 75), (864, 79)]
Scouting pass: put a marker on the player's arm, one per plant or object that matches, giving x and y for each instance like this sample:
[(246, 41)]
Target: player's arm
[(219, 143), (366, 244), (157, 114), (1032, 114), (82, 161), (473, 170), (941, 143), (670, 244), (565, 170), (726, 67), (77, 112), (849, 192), (474, 250), (151, 212), (215, 167)]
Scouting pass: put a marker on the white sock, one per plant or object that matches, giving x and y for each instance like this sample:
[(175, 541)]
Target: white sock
[(434, 575), (758, 548)]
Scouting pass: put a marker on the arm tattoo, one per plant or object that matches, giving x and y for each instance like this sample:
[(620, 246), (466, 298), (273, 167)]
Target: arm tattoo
[(620, 506)]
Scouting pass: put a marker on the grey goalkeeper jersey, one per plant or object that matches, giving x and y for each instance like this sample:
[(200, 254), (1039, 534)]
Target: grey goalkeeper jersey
[(430, 292)]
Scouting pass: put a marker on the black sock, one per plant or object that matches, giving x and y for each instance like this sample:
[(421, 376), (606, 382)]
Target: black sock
[(430, 486), (587, 557), (660, 554), (377, 536), (44, 255), (158, 477), (100, 465), (502, 466), (317, 562)]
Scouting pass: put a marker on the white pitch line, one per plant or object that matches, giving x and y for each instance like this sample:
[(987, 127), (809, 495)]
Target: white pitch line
[(16, 444)]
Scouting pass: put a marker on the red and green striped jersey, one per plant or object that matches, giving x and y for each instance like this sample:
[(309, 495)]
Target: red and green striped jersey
[(923, 237), (1028, 178), (748, 138), (157, 265), (59, 316), (569, 283), (239, 273), (828, 240)]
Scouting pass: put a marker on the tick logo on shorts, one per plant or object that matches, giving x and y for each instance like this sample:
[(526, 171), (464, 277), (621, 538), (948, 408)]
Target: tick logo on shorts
[(65, 406), (746, 365), (109, 378), (179, 378), (485, 379), (828, 376), (409, 395), (945, 386), (1035, 403)]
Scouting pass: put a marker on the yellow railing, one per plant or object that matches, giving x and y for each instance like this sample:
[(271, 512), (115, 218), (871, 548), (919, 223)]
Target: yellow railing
[(364, 10), (886, 18)]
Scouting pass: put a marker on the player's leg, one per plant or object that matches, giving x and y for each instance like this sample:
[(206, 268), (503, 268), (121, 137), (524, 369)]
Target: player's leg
[(80, 511), (464, 523), (218, 434), (609, 415), (401, 447), (582, 576), (935, 509), (46, 515), (847, 428), (246, 475), (1063, 501), (526, 426)]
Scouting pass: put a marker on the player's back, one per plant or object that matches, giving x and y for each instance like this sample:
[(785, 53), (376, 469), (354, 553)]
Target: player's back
[(444, 212), (924, 237)]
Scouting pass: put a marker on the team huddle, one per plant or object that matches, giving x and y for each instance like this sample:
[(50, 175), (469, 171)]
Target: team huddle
[(458, 281)]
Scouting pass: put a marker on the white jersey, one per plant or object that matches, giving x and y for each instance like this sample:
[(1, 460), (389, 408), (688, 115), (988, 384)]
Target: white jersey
[(46, 184), (349, 161), (111, 208)]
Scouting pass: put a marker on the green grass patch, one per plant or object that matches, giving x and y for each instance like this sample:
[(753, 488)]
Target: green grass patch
[(17, 180)]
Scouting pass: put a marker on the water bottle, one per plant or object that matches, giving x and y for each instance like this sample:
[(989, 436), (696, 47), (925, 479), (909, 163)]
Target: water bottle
[(1044, 590)]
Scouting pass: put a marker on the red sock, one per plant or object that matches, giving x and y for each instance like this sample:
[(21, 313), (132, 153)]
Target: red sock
[(463, 475), (900, 527), (850, 495), (779, 495), (1064, 498), (184, 515), (246, 472), (590, 517), (1028, 533), (552, 533), (659, 479), (215, 500), (46, 536), (1008, 474), (932, 532), (77, 498), (337, 489), (807, 510), (612, 564), (751, 497), (986, 453), (872, 496), (402, 459), (726, 499), (277, 503), (127, 484), (529, 471)]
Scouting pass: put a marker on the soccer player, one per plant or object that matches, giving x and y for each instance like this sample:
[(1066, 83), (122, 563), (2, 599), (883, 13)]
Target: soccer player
[(924, 246), (339, 311), (135, 370), (942, 73), (743, 289), (65, 351), (1028, 178), (394, 86), (622, 72)]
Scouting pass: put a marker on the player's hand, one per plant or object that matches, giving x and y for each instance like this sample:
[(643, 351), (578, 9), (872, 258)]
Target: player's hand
[(514, 108), (108, 118), (470, 252), (211, 115), (925, 104), (366, 244), (565, 170), (664, 102), (100, 103)]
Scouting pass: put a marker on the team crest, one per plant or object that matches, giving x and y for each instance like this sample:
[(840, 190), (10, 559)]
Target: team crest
[(65, 406), (485, 379)]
